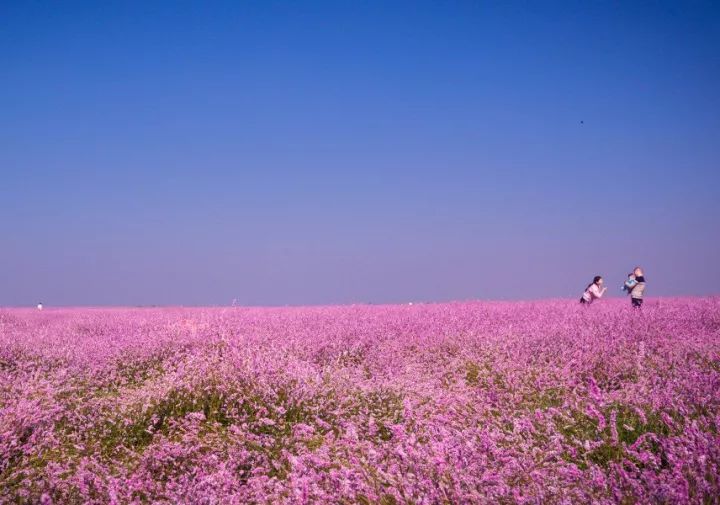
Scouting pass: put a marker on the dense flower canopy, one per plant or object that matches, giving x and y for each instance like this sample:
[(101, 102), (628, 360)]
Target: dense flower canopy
[(482, 402)]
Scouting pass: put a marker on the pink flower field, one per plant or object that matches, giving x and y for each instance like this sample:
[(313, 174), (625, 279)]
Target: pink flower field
[(482, 402)]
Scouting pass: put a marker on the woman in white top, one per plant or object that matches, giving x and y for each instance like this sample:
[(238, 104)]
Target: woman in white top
[(594, 290)]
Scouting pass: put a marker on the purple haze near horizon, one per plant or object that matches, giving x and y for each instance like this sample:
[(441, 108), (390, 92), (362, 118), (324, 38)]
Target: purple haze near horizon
[(177, 153)]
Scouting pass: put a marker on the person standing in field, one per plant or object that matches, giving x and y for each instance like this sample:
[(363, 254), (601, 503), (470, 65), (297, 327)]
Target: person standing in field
[(635, 286), (594, 290)]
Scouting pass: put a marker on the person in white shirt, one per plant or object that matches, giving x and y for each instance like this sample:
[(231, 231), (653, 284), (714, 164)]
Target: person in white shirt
[(594, 290)]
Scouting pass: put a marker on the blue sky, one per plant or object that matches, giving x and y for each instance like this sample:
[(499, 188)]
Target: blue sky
[(335, 152)]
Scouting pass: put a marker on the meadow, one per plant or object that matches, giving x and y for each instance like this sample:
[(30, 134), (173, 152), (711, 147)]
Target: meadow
[(478, 402)]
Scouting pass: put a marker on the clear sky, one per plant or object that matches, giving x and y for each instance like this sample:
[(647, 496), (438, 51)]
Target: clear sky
[(336, 152)]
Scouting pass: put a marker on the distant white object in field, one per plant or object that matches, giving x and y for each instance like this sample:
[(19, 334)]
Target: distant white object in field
[(39, 306), (410, 303)]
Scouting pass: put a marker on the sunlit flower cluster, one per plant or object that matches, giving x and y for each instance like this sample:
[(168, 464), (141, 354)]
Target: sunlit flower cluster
[(481, 402)]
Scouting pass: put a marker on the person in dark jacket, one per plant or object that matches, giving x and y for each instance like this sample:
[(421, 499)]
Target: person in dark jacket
[(635, 286)]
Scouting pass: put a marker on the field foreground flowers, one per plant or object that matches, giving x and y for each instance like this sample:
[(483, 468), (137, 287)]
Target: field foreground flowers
[(545, 402)]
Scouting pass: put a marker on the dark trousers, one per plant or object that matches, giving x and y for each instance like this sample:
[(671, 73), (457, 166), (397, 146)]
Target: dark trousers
[(636, 302)]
